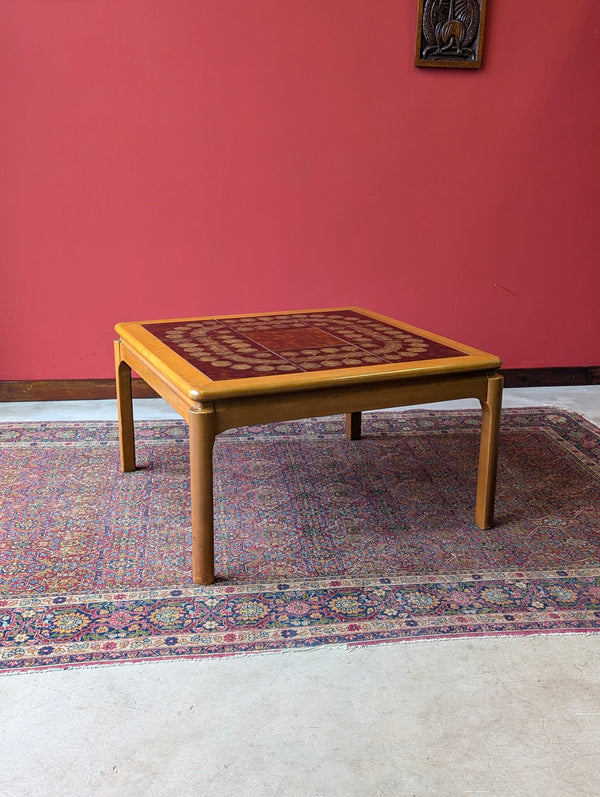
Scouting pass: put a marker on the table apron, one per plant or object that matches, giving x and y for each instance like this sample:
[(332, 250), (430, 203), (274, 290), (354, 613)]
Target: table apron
[(294, 405)]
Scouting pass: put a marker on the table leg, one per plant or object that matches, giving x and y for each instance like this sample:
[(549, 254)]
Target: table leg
[(488, 453), (353, 425), (125, 411), (202, 438)]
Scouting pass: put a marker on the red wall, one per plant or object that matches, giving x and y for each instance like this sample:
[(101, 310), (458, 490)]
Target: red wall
[(165, 158)]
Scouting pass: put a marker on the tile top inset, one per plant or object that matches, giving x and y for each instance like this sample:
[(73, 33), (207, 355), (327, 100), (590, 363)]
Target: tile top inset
[(263, 345)]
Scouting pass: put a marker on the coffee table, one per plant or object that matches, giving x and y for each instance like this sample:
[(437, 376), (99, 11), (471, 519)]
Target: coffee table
[(221, 372)]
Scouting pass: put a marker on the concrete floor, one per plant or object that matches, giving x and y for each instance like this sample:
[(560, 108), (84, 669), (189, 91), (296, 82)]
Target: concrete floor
[(512, 716)]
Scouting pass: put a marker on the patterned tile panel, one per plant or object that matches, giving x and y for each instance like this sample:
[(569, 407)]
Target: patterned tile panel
[(263, 345)]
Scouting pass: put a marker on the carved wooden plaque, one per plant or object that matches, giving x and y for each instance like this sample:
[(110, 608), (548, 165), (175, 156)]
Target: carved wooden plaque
[(450, 33)]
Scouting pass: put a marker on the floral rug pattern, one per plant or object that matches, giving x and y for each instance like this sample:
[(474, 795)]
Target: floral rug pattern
[(319, 540)]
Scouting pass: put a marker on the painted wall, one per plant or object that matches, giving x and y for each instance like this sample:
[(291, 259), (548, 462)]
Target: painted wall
[(165, 158)]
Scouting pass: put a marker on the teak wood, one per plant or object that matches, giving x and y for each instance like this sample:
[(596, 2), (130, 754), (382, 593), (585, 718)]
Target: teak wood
[(211, 406)]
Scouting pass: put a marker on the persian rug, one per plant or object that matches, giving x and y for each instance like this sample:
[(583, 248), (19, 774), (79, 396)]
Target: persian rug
[(319, 540)]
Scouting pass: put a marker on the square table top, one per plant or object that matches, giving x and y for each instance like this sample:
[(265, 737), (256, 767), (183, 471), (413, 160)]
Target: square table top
[(218, 356)]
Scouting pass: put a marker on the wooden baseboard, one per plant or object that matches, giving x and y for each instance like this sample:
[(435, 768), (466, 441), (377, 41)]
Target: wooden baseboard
[(69, 390), (551, 377), (86, 389)]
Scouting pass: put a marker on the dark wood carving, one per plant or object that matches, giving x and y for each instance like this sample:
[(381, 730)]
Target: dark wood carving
[(450, 33)]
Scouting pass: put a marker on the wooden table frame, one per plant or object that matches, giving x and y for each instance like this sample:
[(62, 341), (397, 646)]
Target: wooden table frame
[(211, 407)]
